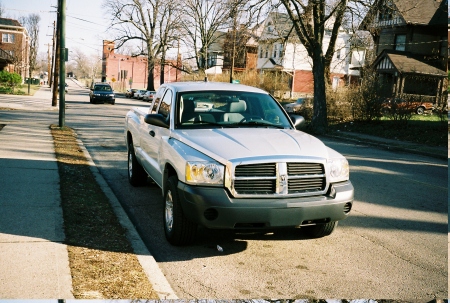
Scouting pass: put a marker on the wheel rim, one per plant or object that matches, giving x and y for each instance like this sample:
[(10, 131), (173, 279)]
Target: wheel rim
[(169, 211), (130, 164)]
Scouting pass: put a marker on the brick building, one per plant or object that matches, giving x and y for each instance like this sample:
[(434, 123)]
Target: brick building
[(14, 47), (125, 71)]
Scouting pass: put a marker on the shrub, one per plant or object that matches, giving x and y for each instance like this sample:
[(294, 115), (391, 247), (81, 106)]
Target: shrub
[(10, 79)]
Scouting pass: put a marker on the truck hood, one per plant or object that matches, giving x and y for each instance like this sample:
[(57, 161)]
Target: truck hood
[(241, 143)]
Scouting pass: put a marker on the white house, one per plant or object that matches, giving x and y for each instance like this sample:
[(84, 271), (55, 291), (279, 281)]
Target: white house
[(280, 50)]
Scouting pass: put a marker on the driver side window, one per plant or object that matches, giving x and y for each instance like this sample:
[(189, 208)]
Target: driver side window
[(166, 104)]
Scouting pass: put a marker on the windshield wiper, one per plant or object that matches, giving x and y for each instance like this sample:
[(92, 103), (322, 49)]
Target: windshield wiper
[(259, 123)]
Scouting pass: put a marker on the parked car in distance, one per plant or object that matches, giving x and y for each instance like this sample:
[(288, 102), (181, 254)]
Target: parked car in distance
[(148, 96), (130, 92), (139, 94), (296, 106), (393, 104), (101, 93)]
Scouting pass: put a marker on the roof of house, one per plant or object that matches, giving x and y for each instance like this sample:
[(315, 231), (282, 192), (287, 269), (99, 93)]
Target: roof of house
[(422, 12), (277, 25), (9, 22), (418, 12), (406, 64)]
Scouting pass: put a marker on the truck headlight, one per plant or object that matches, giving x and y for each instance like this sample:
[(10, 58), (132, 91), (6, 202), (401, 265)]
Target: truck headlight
[(339, 169), (209, 173)]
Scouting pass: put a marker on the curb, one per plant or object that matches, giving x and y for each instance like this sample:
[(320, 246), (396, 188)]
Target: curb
[(145, 258), (389, 146)]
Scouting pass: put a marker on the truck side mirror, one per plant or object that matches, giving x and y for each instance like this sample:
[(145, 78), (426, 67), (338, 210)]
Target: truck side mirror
[(299, 121), (157, 120)]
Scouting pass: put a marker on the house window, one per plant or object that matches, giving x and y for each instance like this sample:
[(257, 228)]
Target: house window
[(11, 52), (280, 51), (8, 38), (385, 15), (269, 27), (267, 52), (400, 41), (261, 52), (338, 54), (275, 50)]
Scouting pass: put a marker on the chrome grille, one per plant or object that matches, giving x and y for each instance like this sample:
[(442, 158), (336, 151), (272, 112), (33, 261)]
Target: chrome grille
[(305, 177), (279, 178), (256, 170)]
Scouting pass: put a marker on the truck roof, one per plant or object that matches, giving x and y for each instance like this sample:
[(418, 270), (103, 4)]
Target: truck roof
[(202, 86)]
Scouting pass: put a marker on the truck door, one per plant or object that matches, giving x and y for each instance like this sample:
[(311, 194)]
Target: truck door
[(152, 136)]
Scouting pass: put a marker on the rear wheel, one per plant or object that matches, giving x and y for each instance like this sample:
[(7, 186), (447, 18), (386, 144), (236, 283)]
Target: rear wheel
[(320, 230), (136, 173), (420, 110), (178, 229)]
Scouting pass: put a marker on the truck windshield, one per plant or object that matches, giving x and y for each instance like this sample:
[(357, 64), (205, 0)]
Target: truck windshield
[(228, 109)]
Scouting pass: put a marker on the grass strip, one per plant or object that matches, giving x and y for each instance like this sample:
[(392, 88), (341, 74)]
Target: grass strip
[(101, 259)]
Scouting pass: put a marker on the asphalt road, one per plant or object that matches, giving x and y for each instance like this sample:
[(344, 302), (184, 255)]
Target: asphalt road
[(392, 246)]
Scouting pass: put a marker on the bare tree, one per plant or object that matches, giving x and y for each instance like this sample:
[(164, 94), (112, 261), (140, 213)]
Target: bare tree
[(142, 21), (31, 23), (83, 64), (202, 20), (169, 29), (2, 10)]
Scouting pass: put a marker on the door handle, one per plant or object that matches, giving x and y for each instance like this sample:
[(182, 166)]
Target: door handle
[(152, 133)]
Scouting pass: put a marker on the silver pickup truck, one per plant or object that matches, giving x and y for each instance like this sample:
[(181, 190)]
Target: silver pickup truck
[(227, 156)]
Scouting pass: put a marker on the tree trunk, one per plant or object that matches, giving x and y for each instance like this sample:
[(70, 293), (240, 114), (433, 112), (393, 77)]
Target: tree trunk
[(319, 120), (150, 77), (161, 72)]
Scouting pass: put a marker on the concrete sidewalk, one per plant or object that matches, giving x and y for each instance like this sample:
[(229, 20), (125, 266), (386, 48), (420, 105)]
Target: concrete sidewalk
[(33, 261), (41, 101)]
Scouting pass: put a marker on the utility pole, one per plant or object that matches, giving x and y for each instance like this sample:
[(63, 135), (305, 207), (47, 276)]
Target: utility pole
[(62, 59), (48, 64), (233, 54), (56, 64), (53, 55)]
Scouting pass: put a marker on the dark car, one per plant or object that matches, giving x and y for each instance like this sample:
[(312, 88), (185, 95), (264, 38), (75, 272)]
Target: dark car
[(130, 92), (102, 93)]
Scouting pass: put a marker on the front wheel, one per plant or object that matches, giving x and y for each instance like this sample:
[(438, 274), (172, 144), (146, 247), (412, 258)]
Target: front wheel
[(178, 229), (320, 230), (136, 173), (420, 110)]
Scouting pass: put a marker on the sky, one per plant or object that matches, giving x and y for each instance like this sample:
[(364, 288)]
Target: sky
[(86, 23)]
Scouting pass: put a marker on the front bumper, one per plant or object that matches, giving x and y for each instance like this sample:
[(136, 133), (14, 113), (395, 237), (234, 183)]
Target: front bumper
[(103, 99), (212, 207)]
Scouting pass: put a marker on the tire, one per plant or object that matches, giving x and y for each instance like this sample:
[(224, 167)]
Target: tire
[(113, 102), (178, 229), (420, 110), (90, 100), (136, 173), (320, 230)]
